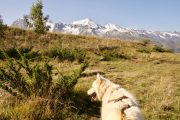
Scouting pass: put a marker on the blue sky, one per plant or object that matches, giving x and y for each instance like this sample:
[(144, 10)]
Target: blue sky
[(161, 15)]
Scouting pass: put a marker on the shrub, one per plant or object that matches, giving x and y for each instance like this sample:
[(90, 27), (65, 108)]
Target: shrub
[(108, 55), (13, 53), (66, 54), (36, 79), (144, 50), (154, 49), (52, 98), (160, 49), (145, 42)]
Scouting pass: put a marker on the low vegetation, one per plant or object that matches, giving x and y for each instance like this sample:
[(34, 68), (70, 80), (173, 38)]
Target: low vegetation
[(110, 53), (154, 48), (66, 54), (46, 76)]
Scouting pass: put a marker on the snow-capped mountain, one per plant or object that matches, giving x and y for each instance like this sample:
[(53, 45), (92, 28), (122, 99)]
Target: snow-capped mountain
[(111, 27), (55, 27), (88, 27), (85, 23)]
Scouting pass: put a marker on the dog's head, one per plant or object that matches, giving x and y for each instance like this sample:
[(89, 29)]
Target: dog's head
[(95, 91)]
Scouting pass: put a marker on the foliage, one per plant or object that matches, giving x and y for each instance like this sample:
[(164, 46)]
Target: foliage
[(145, 42), (2, 28), (27, 80), (144, 50), (108, 54), (153, 49), (160, 49), (13, 53), (36, 20), (66, 54), (23, 80)]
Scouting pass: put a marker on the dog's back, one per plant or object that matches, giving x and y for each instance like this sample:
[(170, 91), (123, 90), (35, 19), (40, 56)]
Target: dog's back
[(118, 104)]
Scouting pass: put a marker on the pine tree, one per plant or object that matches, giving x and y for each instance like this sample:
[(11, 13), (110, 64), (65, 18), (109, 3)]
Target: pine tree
[(36, 20)]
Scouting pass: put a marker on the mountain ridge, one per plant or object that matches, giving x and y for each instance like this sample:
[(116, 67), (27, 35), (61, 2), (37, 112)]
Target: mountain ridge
[(87, 26)]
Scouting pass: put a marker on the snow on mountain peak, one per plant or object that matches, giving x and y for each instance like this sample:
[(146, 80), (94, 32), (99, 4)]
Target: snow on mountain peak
[(111, 27), (89, 27), (86, 22), (171, 34)]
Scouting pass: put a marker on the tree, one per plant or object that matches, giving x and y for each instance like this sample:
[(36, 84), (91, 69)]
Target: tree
[(2, 27), (36, 20)]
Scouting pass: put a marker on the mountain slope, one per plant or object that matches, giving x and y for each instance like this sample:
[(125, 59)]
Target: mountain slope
[(86, 26), (152, 76)]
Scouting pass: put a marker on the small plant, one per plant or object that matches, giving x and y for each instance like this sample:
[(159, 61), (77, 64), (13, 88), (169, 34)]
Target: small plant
[(66, 54), (154, 49), (160, 49), (145, 42), (144, 50), (108, 55), (13, 53)]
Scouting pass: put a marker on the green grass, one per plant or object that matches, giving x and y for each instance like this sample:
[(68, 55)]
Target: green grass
[(148, 71)]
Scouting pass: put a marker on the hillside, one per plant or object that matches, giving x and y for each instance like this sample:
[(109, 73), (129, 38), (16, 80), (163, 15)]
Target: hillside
[(64, 66), (87, 26)]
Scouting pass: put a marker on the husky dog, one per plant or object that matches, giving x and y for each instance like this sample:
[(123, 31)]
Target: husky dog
[(117, 103)]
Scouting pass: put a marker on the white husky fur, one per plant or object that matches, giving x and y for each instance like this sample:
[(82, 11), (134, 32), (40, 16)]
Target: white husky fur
[(107, 91)]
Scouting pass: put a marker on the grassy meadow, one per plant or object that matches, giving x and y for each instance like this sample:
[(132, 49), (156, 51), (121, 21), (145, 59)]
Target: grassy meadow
[(45, 77)]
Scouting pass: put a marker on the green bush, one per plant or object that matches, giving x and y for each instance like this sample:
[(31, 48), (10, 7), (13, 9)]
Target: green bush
[(145, 42), (153, 49), (13, 53), (66, 54), (52, 98), (36, 79), (144, 50), (108, 55), (160, 49)]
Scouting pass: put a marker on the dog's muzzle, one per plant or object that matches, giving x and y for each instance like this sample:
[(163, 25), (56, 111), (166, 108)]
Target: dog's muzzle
[(91, 92)]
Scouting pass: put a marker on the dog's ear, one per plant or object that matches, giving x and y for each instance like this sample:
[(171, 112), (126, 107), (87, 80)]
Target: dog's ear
[(98, 77)]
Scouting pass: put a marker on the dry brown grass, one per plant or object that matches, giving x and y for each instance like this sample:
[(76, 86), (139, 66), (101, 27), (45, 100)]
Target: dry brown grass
[(152, 77)]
